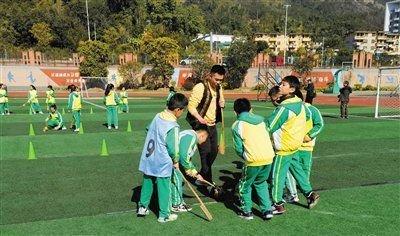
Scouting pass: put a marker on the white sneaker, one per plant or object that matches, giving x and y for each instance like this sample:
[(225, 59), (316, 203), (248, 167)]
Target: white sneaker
[(63, 128), (171, 217), (40, 112), (292, 199), (109, 127), (76, 130), (142, 211), (181, 208), (116, 127)]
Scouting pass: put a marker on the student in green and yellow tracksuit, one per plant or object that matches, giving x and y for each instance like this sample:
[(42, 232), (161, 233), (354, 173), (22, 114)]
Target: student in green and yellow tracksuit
[(287, 124), (314, 125), (33, 101), (111, 100), (75, 105), (188, 141), (124, 100), (159, 156), (3, 96), (252, 143), (50, 97), (6, 105), (54, 121)]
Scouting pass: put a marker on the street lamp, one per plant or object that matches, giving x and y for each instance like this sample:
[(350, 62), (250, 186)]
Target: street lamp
[(87, 18), (284, 51)]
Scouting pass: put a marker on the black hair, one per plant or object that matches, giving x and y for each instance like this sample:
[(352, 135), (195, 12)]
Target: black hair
[(172, 89), (50, 87), (273, 91), (32, 86), (241, 105), (178, 100), (71, 88), (294, 82), (53, 106), (201, 127), (218, 69), (108, 89), (346, 82)]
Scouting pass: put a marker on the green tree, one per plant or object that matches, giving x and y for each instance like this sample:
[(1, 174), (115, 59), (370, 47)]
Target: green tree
[(8, 36), (303, 65), (96, 58), (163, 52), (117, 38), (43, 35), (201, 61), (130, 73), (238, 61)]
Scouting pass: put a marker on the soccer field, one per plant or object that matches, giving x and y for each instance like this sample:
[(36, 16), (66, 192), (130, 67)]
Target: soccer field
[(70, 189)]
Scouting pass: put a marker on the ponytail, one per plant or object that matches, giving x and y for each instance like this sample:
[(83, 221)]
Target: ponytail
[(108, 89)]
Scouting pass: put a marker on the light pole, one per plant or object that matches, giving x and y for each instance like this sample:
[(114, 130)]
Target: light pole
[(87, 17), (323, 49), (284, 51)]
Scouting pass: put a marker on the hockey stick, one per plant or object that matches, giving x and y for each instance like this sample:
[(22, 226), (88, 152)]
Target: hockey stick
[(221, 146), (202, 206)]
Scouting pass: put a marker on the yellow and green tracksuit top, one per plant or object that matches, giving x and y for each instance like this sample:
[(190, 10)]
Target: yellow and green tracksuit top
[(124, 97), (111, 99), (32, 96), (50, 97), (314, 125), (187, 147), (75, 101), (251, 140), (56, 117), (3, 96), (287, 124)]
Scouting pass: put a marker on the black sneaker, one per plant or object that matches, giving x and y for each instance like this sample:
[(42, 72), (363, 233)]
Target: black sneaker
[(246, 215), (267, 215), (312, 199), (279, 209)]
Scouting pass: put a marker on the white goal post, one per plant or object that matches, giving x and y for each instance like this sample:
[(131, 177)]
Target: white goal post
[(387, 103), (94, 83)]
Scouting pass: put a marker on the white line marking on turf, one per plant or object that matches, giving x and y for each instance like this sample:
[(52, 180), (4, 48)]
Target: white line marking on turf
[(93, 104), (354, 154), (135, 210), (343, 214)]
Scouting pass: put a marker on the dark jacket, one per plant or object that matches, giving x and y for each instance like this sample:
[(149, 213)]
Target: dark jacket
[(344, 95), (310, 90)]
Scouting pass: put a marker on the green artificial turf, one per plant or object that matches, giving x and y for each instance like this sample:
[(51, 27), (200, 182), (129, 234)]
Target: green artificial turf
[(70, 188)]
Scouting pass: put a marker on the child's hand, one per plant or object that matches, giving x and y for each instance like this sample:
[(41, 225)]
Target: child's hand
[(176, 166), (199, 178), (307, 138), (202, 120)]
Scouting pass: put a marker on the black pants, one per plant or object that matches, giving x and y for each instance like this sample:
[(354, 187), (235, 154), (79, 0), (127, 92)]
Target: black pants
[(343, 109), (208, 152)]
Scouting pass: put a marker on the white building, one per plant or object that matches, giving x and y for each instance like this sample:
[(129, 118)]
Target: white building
[(392, 17), (277, 42), (377, 42)]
